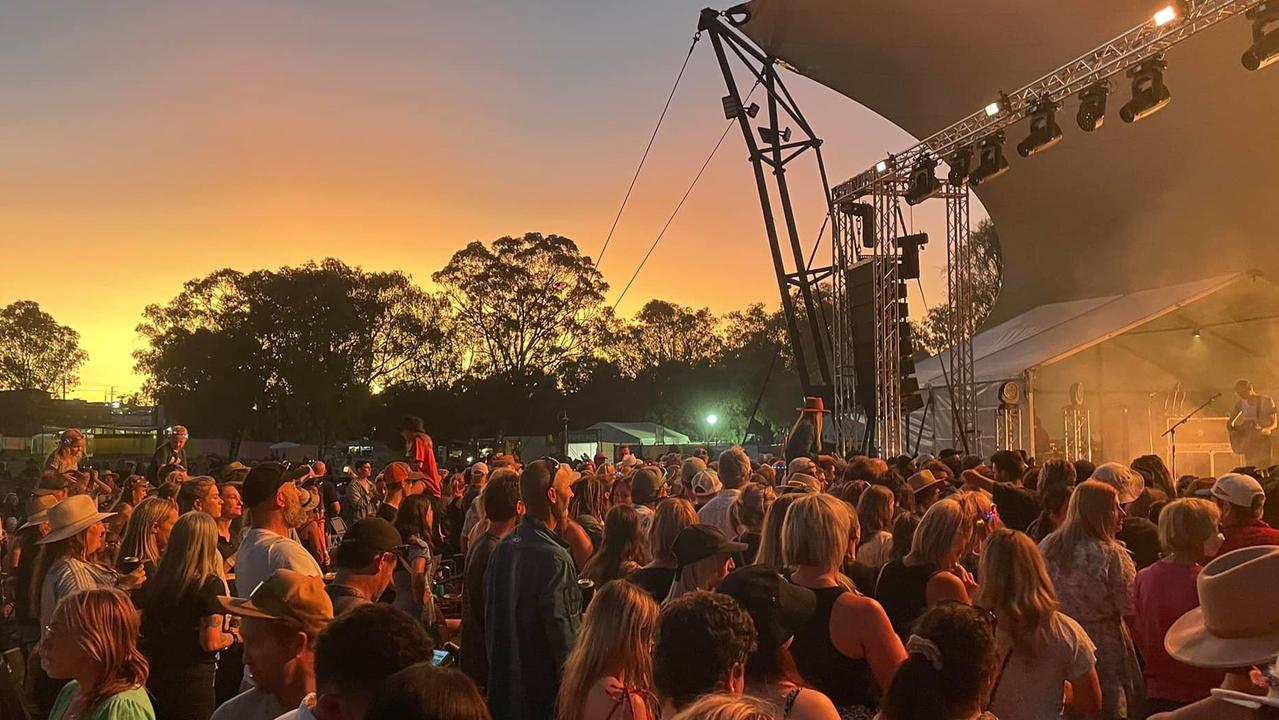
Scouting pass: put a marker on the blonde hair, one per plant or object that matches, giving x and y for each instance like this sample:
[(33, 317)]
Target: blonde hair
[(728, 707), (696, 576), (616, 636), (191, 557), (1087, 519), (105, 625), (138, 531), (817, 532), (935, 537), (671, 516), (1186, 524), (1016, 588), (977, 503), (770, 538), (875, 509)]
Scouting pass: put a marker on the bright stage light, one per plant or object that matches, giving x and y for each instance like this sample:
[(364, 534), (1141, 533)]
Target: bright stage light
[(923, 182), (992, 109), (881, 166), (1092, 107), (1166, 15), (1044, 130), (993, 163), (1149, 94), (711, 419), (1265, 37)]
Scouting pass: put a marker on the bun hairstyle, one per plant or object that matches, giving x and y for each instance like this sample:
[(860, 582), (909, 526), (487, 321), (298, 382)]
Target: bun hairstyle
[(951, 667)]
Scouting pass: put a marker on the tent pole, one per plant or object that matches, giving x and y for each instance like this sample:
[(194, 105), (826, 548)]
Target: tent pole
[(1030, 410)]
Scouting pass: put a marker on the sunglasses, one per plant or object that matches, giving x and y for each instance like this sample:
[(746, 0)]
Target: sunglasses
[(552, 466)]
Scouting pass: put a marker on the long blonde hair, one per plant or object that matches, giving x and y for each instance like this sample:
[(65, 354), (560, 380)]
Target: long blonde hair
[(105, 625), (616, 636), (1087, 520), (696, 576), (138, 532), (770, 538), (817, 532), (728, 707), (935, 537), (671, 516), (1015, 587), (191, 557)]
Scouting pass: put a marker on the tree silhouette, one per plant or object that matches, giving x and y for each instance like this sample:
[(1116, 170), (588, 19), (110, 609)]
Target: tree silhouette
[(35, 351)]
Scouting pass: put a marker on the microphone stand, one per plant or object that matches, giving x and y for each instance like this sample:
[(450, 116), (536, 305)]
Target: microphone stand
[(1171, 432)]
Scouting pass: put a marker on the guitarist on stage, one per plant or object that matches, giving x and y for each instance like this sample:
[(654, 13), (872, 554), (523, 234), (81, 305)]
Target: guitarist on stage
[(1251, 422)]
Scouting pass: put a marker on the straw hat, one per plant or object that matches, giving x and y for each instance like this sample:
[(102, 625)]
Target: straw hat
[(71, 517), (1237, 621)]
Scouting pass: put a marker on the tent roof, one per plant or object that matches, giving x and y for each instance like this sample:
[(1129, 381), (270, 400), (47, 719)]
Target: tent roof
[(1184, 194), (647, 433), (1055, 331)]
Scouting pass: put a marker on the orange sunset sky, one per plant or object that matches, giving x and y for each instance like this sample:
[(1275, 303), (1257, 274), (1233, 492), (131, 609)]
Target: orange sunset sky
[(146, 143)]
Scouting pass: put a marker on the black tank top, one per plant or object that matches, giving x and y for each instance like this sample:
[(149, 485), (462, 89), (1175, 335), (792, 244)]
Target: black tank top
[(903, 591), (846, 681)]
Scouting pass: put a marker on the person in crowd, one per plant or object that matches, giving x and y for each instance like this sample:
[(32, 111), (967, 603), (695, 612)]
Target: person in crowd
[(1018, 506), (930, 574), (419, 453), (311, 533), (1056, 472), (725, 706), (1233, 630), (706, 486), (477, 476), (200, 494), (451, 515), (624, 550), (734, 472), (926, 488), (182, 622), (669, 520), (280, 622), (704, 557), (1241, 501), (1137, 533), (984, 518), (752, 507), (620, 492), (777, 609), (1040, 648), (950, 670), (360, 500), (329, 497), (532, 605), (411, 580), (904, 534), (146, 535), (502, 508), (1054, 498), (645, 484), (171, 452), (234, 473), (846, 649), (609, 673), (875, 510), (232, 511), (1084, 468), (1094, 577), (1157, 477), (1163, 593), (770, 541), (91, 641), (363, 564), (423, 691), (275, 504), (354, 657), (21, 563), (703, 642), (66, 456), (590, 507), (133, 491)]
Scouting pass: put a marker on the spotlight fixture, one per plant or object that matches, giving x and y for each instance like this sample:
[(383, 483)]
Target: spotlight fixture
[(733, 108), (772, 137), (881, 166), (1166, 15), (1092, 107), (961, 166), (923, 182), (1149, 94), (992, 163), (1265, 36), (992, 109), (1044, 130)]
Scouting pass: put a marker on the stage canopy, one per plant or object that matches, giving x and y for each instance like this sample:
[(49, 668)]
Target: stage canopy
[(646, 434), (1187, 193)]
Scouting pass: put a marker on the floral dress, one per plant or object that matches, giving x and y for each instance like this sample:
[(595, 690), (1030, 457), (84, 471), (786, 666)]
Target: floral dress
[(1097, 591)]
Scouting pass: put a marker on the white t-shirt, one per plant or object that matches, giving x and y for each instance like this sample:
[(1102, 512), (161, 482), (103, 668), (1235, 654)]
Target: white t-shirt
[(1030, 688), (718, 511), (263, 552), (877, 550)]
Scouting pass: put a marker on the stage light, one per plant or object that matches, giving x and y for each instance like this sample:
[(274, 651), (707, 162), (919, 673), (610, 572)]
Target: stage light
[(961, 166), (1197, 333), (992, 163), (923, 182), (1149, 94), (881, 166), (772, 137), (1265, 37), (1166, 15), (711, 419), (1044, 130), (992, 109), (1092, 107)]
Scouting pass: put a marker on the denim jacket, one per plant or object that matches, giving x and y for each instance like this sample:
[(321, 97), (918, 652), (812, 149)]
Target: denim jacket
[(533, 610)]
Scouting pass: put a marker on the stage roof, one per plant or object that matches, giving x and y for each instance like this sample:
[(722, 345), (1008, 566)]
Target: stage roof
[(1056, 331), (1186, 193), (638, 433)]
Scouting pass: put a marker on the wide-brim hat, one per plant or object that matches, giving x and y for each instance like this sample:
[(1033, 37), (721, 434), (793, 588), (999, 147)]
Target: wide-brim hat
[(813, 405), (922, 480), (1237, 621), (71, 517)]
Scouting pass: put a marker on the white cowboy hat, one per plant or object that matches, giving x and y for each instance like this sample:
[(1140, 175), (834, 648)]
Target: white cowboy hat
[(1237, 621), (71, 517)]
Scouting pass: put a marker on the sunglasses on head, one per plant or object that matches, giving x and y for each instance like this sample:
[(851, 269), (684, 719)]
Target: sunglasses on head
[(552, 466)]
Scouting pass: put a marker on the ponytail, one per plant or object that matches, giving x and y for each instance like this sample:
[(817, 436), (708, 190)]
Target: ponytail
[(950, 669)]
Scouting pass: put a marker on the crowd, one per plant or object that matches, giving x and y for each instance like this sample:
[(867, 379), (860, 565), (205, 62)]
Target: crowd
[(911, 588)]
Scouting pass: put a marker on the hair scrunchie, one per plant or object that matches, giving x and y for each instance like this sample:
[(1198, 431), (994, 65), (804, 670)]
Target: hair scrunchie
[(916, 645)]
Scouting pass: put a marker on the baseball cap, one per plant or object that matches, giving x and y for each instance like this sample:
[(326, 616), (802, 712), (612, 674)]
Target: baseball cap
[(644, 485), (235, 471), (1237, 489), (365, 540), (706, 483), (778, 607), (51, 482), (481, 468), (698, 542), (262, 482), (803, 482), (396, 473), (288, 597)]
